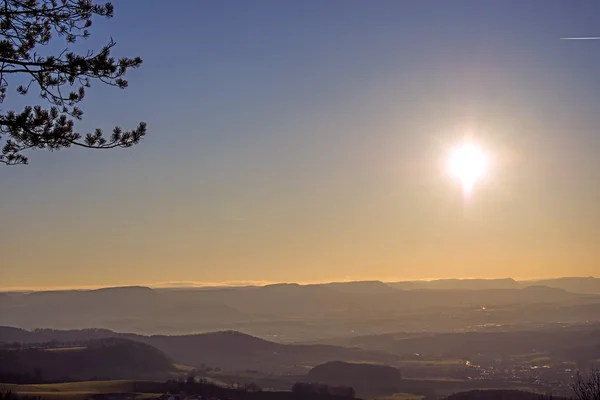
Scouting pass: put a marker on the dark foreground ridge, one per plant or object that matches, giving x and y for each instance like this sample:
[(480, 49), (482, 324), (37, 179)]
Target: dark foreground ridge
[(114, 358), (501, 395)]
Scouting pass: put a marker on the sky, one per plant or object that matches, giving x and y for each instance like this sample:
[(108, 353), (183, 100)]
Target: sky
[(308, 141)]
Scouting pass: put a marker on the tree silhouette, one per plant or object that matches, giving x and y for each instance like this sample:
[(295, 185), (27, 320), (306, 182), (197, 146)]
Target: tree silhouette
[(60, 79), (587, 388)]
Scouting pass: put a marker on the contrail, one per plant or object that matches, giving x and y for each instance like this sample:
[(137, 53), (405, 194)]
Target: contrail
[(581, 38)]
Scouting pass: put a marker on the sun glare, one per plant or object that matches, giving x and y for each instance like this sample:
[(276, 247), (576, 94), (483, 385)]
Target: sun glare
[(468, 163)]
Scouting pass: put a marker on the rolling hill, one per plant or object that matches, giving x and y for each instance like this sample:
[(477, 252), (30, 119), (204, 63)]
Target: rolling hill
[(117, 358), (568, 343), (458, 284), (294, 313), (582, 285), (589, 285), (227, 350), (357, 375), (139, 308)]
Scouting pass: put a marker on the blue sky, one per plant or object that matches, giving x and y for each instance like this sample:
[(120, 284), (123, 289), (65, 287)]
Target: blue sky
[(300, 141)]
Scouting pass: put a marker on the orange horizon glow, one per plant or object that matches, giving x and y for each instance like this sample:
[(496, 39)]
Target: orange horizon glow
[(233, 284)]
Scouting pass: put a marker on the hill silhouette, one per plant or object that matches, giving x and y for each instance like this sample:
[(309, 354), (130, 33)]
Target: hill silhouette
[(362, 287), (366, 379), (583, 285), (108, 306), (589, 285), (346, 373), (300, 313), (576, 342), (458, 284), (115, 358), (227, 349)]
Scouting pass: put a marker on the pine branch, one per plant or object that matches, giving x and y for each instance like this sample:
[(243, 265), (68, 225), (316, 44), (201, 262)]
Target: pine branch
[(62, 79)]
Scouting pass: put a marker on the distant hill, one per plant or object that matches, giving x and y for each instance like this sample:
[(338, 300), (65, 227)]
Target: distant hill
[(458, 284), (142, 309), (228, 349), (366, 379), (346, 373), (589, 285), (134, 308), (577, 342), (9, 335), (237, 351), (114, 358), (294, 313), (362, 287)]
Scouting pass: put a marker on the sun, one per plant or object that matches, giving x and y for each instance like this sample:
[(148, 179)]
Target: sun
[(469, 164)]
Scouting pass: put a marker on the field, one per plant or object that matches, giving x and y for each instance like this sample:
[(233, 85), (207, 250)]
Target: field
[(445, 362), (183, 368), (74, 390), (401, 396), (84, 390), (66, 348), (446, 387)]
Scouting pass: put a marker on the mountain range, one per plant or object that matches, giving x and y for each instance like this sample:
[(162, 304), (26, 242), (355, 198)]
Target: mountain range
[(293, 312)]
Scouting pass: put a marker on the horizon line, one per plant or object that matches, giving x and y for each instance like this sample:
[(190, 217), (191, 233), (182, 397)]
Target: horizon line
[(581, 38), (234, 284)]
